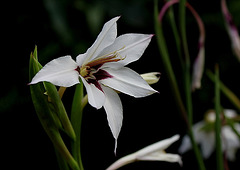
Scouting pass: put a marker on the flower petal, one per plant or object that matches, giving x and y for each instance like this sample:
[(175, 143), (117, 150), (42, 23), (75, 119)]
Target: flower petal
[(129, 46), (60, 72), (207, 144), (96, 97), (105, 38), (205, 139), (232, 143), (156, 147), (153, 152), (127, 81), (162, 156), (114, 111), (186, 145)]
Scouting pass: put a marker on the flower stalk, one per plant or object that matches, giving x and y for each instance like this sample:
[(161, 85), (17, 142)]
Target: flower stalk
[(188, 94), (225, 90), (219, 155), (76, 119), (167, 64), (187, 114)]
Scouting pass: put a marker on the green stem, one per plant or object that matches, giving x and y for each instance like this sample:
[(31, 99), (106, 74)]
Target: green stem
[(188, 93), (182, 25), (219, 155), (176, 34), (45, 115), (62, 164), (76, 119), (167, 64), (190, 118), (226, 91)]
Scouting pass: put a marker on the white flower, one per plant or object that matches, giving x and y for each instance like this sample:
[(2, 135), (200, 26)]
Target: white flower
[(154, 152), (206, 137), (102, 69)]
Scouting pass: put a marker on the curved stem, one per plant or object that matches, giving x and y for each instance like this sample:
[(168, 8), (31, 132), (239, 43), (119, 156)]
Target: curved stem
[(167, 63), (182, 22)]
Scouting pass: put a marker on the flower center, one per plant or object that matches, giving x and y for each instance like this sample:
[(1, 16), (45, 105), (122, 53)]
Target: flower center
[(93, 75), (84, 71), (90, 69)]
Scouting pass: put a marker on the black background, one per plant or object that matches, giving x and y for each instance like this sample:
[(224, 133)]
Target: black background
[(69, 27)]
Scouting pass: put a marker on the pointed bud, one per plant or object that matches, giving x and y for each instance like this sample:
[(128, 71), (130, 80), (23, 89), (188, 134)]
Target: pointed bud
[(151, 78)]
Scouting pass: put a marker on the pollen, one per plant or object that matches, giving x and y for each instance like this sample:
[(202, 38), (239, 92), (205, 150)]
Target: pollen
[(84, 71)]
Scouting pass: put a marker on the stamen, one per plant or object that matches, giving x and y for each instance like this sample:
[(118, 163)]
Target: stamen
[(84, 70), (111, 57)]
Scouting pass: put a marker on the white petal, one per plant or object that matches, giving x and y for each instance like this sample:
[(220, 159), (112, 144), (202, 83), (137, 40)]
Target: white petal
[(129, 46), (60, 72), (198, 134), (162, 156), (156, 147), (205, 139), (127, 81), (230, 141), (207, 144), (186, 145), (96, 97), (105, 38), (114, 111), (153, 152), (229, 113)]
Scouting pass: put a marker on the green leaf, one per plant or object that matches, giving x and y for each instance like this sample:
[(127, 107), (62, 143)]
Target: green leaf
[(45, 115), (76, 118), (57, 103), (59, 108)]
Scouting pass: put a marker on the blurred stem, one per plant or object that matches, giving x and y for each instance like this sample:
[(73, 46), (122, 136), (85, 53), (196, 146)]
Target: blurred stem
[(76, 119), (219, 155), (182, 24), (167, 64), (226, 91), (176, 34)]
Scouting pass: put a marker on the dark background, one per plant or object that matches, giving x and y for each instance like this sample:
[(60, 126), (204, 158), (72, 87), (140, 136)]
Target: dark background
[(69, 27)]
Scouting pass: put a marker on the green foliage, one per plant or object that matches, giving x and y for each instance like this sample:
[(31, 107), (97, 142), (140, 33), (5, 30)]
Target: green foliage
[(46, 115)]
